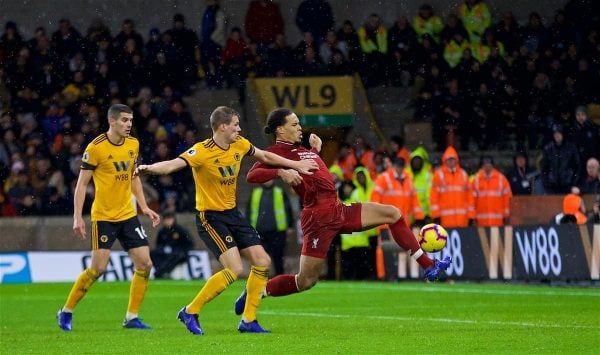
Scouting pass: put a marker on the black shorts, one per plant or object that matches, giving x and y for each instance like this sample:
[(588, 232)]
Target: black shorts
[(223, 230), (129, 232)]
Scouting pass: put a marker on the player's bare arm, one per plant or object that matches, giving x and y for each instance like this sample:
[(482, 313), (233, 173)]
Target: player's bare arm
[(315, 142), (161, 168), (79, 197), (138, 192), (302, 166)]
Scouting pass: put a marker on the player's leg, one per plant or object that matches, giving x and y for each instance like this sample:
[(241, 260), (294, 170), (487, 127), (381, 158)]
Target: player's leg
[(102, 238), (213, 229), (134, 240), (86, 279), (257, 280), (219, 281), (374, 214), (142, 265)]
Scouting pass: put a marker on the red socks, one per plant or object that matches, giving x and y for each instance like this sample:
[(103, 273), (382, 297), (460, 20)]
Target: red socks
[(282, 285), (407, 241)]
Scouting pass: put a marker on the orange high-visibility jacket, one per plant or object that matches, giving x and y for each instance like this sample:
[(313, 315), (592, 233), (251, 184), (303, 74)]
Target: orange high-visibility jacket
[(491, 198), (401, 193), (451, 200), (367, 159)]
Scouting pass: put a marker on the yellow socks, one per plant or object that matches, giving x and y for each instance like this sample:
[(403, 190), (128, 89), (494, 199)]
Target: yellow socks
[(213, 287), (85, 280), (137, 291), (257, 280)]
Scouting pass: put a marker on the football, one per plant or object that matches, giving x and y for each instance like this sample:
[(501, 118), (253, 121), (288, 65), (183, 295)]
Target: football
[(432, 237)]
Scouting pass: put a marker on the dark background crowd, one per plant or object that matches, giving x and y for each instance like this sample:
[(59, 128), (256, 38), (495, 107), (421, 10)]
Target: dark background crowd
[(484, 81)]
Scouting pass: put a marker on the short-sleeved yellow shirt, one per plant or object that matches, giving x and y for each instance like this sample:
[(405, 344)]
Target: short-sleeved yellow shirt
[(113, 167), (216, 171)]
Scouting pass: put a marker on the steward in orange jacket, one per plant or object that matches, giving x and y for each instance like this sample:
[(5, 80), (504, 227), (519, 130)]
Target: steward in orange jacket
[(491, 195), (395, 187), (451, 200)]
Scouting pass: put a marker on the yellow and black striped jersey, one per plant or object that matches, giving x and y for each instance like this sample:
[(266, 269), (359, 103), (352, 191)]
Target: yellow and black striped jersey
[(113, 167), (216, 171)]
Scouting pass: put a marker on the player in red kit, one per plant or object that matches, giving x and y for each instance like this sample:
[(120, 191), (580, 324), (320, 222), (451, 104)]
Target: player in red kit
[(323, 215)]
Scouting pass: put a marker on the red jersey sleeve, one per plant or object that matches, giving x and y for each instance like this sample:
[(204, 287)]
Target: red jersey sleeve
[(260, 173)]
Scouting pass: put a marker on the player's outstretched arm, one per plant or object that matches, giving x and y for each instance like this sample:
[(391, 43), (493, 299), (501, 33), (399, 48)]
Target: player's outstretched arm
[(302, 166), (161, 168), (79, 198), (260, 173)]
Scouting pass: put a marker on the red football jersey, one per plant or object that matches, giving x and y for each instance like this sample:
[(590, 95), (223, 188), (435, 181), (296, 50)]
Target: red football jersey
[(314, 188)]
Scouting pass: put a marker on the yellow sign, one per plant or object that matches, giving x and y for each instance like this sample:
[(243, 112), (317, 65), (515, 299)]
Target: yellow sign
[(329, 95)]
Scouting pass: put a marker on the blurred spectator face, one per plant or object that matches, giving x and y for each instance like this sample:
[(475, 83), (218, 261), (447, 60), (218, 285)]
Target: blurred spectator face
[(361, 178), (144, 109), (558, 137), (168, 221), (22, 178), (127, 26), (235, 35), (42, 166), (330, 37), (24, 53), (190, 137), (520, 161), (337, 58), (74, 148), (398, 165), (129, 46), (483, 89), (451, 163), (103, 44), (177, 107), (153, 124), (161, 59), (309, 55), (452, 20), (280, 41), (581, 117), (425, 12), (373, 21), (534, 21), (162, 151), (348, 28), (416, 163), (136, 59), (308, 37), (78, 77), (402, 22), (167, 39), (487, 166), (167, 92), (347, 191), (592, 167), (64, 26)]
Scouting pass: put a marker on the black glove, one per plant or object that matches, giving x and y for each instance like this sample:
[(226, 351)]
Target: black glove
[(436, 220), (419, 223)]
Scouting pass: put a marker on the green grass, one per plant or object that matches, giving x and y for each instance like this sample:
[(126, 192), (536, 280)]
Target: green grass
[(333, 317)]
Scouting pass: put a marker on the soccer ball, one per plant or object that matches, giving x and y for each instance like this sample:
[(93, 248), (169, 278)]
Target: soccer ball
[(432, 237)]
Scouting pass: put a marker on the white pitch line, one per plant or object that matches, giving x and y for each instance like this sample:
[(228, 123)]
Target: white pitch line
[(543, 291), (427, 319)]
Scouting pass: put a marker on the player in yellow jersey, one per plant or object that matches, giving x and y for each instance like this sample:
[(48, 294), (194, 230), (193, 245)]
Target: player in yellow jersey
[(110, 160), (215, 164)]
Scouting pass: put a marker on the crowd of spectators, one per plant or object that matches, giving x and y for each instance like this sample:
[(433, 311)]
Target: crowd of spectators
[(472, 78)]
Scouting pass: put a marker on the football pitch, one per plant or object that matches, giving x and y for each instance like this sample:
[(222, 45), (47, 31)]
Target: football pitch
[(333, 317)]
